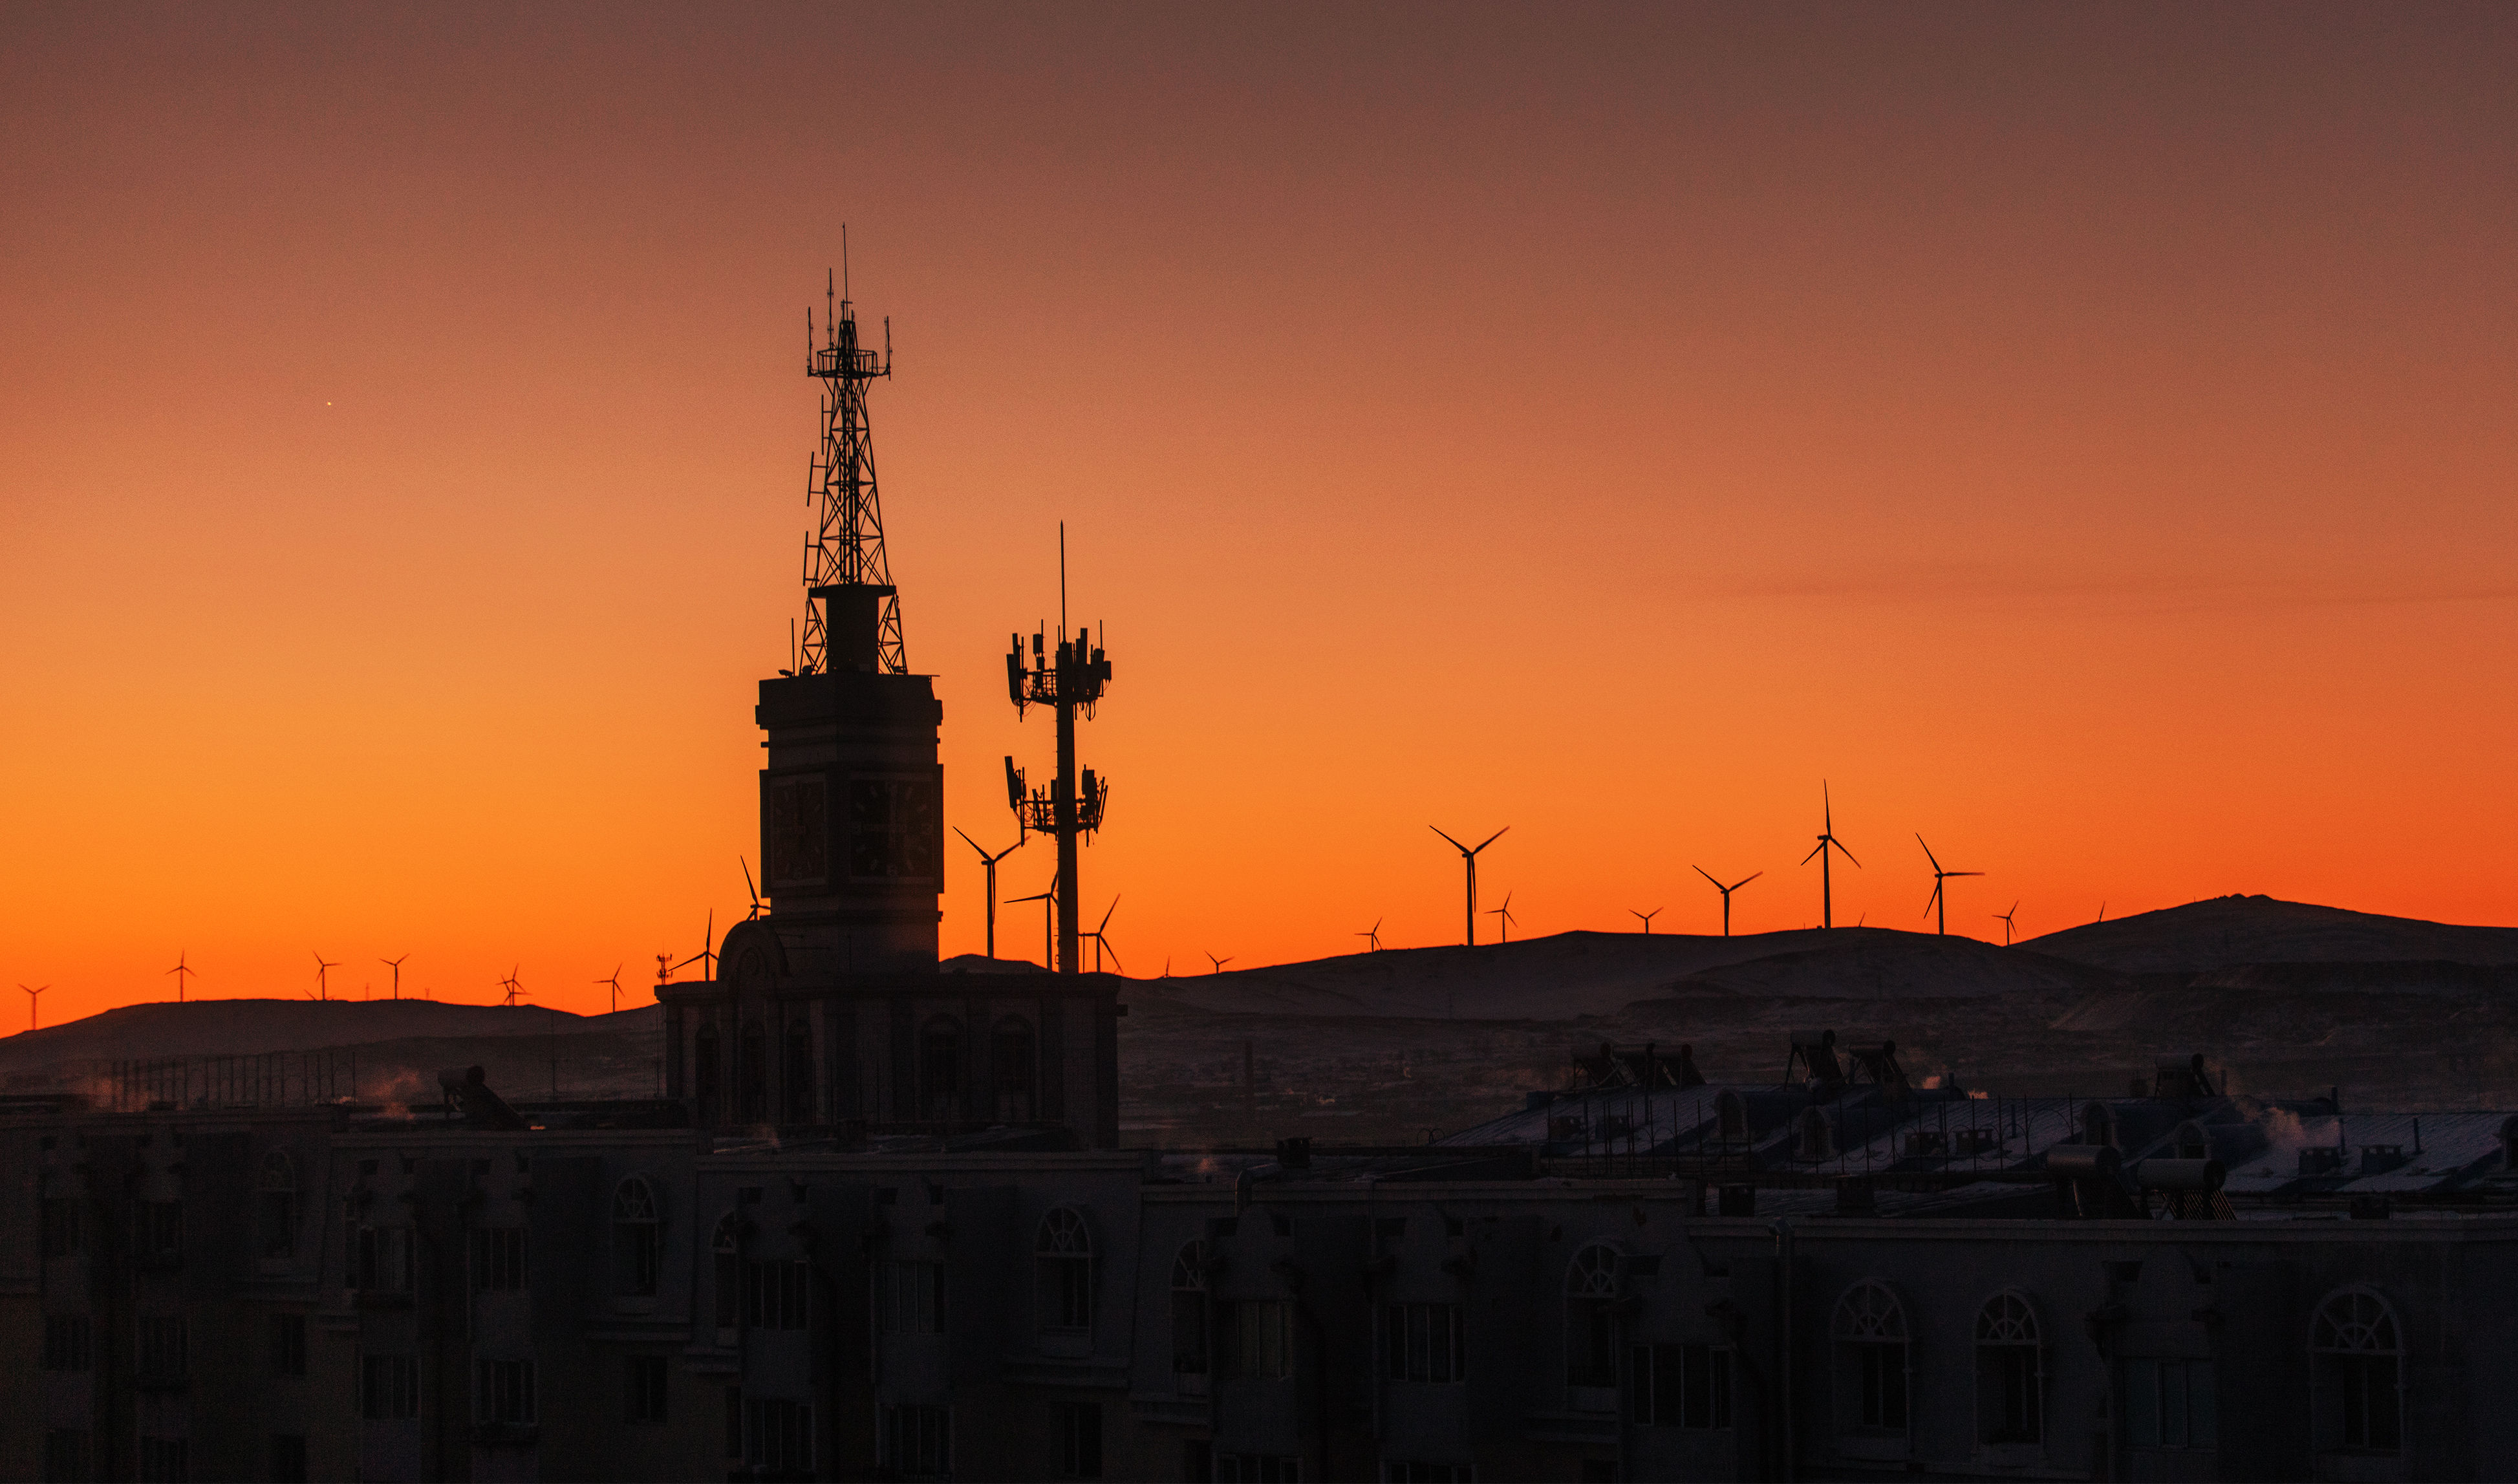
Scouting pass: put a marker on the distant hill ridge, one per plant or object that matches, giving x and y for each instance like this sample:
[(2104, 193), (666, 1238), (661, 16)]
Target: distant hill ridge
[(253, 1026), (2226, 930)]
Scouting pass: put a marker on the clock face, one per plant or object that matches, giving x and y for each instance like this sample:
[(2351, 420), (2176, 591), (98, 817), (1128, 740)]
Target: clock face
[(798, 845), (892, 828)]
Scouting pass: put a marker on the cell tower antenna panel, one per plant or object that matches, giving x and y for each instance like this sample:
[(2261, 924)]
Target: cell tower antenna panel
[(848, 579)]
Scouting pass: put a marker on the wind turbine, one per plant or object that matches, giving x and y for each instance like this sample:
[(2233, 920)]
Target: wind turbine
[(1221, 962), (1940, 898), (990, 861), (1101, 941), (615, 983), (512, 985), (184, 975), (1726, 893), (750, 888), (1469, 858), (1048, 924), (395, 964), (1505, 917), (706, 959), (35, 997), (1374, 935), (2006, 922), (1646, 916), (323, 986), (1827, 841)]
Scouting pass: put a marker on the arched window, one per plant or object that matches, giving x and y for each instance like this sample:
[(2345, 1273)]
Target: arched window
[(939, 1070), (799, 1070), (279, 1199), (727, 1249), (1591, 1317), (1814, 1136), (638, 1239), (2010, 1373), (1063, 1266), (751, 1077), (1732, 1119), (704, 1072), (2192, 1142), (2359, 1356), (1871, 1360), (1189, 1311), (2097, 1126), (1016, 1060)]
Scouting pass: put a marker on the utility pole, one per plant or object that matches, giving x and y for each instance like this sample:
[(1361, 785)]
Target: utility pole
[(1068, 681)]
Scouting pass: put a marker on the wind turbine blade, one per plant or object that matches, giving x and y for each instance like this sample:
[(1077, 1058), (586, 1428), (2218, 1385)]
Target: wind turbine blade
[(967, 839), (1456, 845), (1708, 875), (1106, 919), (1928, 853), (1814, 850), (1745, 880), (1963, 873), (1490, 839), (1842, 851)]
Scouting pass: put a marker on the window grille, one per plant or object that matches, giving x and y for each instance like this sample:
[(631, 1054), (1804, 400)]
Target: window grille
[(2010, 1389), (1262, 1339), (2170, 1404), (909, 1297), (916, 1442), (1063, 1260), (1870, 1331), (2360, 1372), (1682, 1385), (1425, 1342), (1591, 1318), (1190, 1311), (388, 1387), (503, 1392), (638, 1239), (499, 1259)]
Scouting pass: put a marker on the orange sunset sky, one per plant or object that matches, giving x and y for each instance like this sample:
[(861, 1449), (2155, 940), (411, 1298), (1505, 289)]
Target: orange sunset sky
[(2082, 435)]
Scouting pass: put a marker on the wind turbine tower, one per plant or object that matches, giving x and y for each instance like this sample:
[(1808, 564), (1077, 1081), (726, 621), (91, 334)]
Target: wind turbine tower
[(1068, 681), (1726, 893), (395, 964), (1940, 902), (1469, 858), (990, 862), (1827, 844), (323, 986)]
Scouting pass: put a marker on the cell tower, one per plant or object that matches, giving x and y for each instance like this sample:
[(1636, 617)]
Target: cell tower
[(848, 581), (1069, 680)]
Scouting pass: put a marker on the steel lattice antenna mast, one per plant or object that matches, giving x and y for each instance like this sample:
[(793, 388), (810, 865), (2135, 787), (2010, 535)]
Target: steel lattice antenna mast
[(844, 560)]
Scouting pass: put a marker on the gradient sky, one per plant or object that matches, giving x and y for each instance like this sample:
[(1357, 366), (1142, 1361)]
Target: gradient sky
[(2082, 435)]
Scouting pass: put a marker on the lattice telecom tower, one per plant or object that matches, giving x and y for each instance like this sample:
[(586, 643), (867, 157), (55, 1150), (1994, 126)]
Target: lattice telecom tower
[(844, 567), (1069, 679)]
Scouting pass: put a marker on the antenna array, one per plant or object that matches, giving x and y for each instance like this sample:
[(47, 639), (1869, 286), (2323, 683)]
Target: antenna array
[(846, 549)]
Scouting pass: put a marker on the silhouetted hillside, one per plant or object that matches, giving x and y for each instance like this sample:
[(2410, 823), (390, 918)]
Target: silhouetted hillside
[(240, 1027), (2259, 930)]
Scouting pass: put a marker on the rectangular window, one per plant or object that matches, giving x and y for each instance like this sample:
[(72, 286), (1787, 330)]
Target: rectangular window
[(909, 1297), (1425, 1342), (161, 1230), (1079, 1440), (69, 1344), (1257, 1468), (381, 1258), (1591, 1344), (279, 1224), (1263, 1337), (2170, 1404), (1879, 1381), (2364, 1390), (778, 1435), (164, 1459), (163, 1343), (288, 1458), (65, 1454), (733, 1422), (1425, 1473), (1682, 1386), (776, 1295), (388, 1387), (916, 1442), (645, 1374), (1066, 1290), (503, 1392), (65, 1228), (499, 1259), (288, 1344)]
